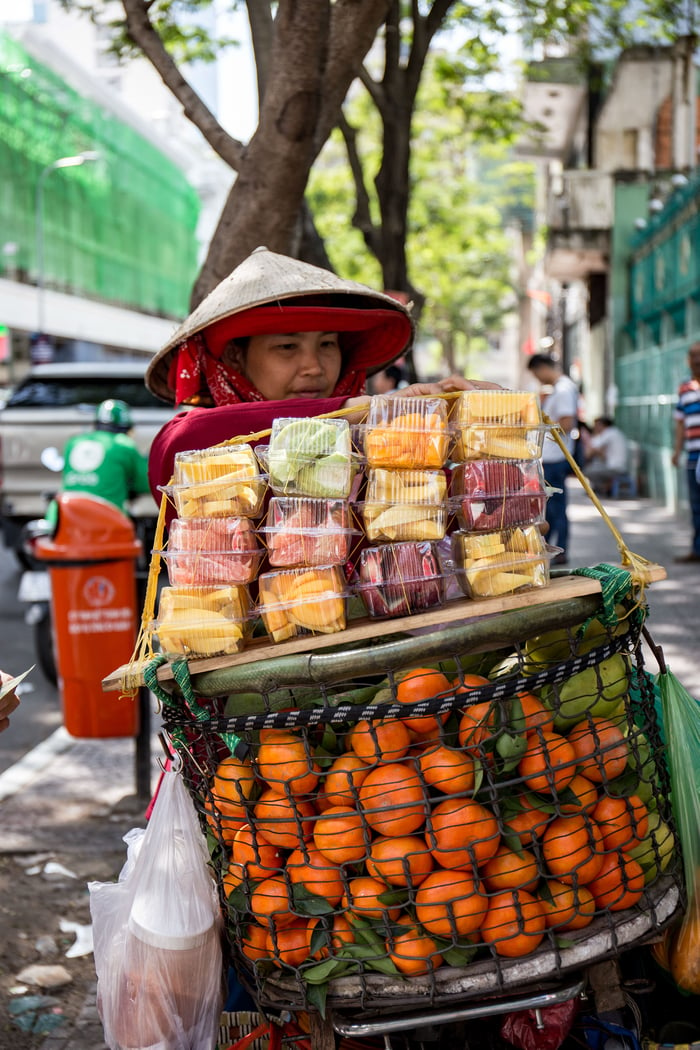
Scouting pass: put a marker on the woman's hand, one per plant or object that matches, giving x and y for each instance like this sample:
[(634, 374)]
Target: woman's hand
[(443, 386), (8, 703)]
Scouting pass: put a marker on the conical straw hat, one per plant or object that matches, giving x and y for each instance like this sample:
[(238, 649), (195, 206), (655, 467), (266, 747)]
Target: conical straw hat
[(265, 278)]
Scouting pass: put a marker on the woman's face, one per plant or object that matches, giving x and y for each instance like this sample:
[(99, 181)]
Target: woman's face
[(299, 364)]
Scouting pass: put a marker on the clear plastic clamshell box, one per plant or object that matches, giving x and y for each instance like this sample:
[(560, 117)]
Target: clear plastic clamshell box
[(497, 424), (203, 621), (406, 432), (493, 494), (220, 482), (399, 579), (310, 457), (488, 564), (212, 551), (303, 531), (403, 505), (296, 602)]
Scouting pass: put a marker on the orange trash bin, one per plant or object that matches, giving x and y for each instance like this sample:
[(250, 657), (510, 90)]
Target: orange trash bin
[(91, 561)]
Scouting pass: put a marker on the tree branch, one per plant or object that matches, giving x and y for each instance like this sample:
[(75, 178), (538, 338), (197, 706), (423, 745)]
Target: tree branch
[(362, 217), (262, 29), (145, 37)]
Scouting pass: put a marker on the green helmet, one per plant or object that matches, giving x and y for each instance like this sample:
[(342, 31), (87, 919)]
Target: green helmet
[(113, 415)]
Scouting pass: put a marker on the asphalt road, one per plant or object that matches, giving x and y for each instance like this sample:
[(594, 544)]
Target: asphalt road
[(39, 713)]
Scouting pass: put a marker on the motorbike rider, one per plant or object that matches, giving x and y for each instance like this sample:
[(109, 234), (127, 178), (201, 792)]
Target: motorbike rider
[(105, 462)]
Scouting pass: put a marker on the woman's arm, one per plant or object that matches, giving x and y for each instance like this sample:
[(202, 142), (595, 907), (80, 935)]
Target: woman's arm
[(8, 703)]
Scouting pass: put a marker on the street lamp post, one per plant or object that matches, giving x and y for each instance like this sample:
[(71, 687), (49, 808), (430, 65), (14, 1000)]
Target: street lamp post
[(86, 157)]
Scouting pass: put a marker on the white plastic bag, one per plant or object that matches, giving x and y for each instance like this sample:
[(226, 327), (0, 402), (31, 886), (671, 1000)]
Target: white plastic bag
[(157, 935)]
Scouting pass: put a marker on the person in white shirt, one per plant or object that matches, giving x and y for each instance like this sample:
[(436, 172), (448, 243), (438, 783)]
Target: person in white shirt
[(560, 404), (608, 455)]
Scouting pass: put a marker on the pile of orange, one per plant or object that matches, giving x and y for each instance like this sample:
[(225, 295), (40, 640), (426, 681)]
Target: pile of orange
[(403, 844)]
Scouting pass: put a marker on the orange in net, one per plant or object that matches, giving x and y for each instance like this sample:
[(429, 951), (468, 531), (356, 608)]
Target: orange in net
[(393, 800), (462, 833), (423, 683), (362, 898), (581, 795), (253, 857), (309, 868), (573, 849), (233, 784), (476, 727), (403, 860), (508, 870), (284, 760), (535, 713), (549, 763), (343, 780), (412, 951), (291, 945), (601, 749), (340, 835), (380, 741), (528, 823), (270, 898), (446, 769), (450, 904), (565, 907), (619, 883), (254, 942), (624, 822), (515, 923), (282, 821)]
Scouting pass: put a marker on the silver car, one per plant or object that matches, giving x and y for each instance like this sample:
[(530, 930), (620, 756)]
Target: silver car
[(51, 404)]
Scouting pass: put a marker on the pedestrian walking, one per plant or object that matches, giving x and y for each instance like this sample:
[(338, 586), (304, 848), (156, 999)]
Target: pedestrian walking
[(687, 439)]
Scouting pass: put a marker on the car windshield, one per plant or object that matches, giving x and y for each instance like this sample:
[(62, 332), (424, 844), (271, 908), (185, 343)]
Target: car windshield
[(67, 392)]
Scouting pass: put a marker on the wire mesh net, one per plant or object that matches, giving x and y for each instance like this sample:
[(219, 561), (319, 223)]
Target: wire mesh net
[(441, 832)]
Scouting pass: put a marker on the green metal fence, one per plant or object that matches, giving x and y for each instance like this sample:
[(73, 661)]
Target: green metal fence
[(663, 320), (121, 229)]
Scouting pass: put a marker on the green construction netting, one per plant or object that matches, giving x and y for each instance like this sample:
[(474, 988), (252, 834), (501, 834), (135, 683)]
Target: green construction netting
[(122, 228)]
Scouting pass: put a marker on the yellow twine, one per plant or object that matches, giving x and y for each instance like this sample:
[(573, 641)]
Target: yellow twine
[(638, 566)]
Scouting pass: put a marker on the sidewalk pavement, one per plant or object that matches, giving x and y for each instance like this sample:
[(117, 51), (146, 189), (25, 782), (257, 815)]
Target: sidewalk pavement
[(78, 800)]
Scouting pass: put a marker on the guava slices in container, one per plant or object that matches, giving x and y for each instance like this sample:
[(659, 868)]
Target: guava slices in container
[(310, 457), (489, 494), (303, 601), (497, 424), (303, 531), (399, 579), (406, 432), (203, 621), (220, 482), (212, 551), (402, 505), (493, 563)]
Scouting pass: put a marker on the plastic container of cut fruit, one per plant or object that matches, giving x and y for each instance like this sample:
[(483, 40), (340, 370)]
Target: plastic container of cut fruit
[(306, 601), (302, 531), (211, 551), (220, 461), (488, 564), (227, 496), (404, 505), (496, 424), (493, 494), (315, 477), (399, 579), (310, 457), (406, 432), (203, 621)]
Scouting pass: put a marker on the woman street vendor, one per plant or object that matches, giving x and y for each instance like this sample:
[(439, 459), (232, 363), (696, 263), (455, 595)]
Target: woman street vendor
[(276, 337)]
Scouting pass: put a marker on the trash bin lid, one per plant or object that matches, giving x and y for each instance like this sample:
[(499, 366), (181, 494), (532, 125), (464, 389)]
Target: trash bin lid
[(89, 529)]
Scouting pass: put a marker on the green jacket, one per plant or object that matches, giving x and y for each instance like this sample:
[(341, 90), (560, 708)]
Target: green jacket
[(105, 464)]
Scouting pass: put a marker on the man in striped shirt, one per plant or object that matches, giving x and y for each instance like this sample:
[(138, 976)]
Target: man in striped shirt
[(687, 436)]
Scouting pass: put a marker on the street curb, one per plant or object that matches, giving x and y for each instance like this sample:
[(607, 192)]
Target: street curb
[(31, 765)]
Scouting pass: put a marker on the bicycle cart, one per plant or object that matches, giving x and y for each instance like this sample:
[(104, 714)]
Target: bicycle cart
[(433, 819)]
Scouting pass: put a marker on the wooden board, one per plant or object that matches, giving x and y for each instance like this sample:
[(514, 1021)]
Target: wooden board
[(559, 589)]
